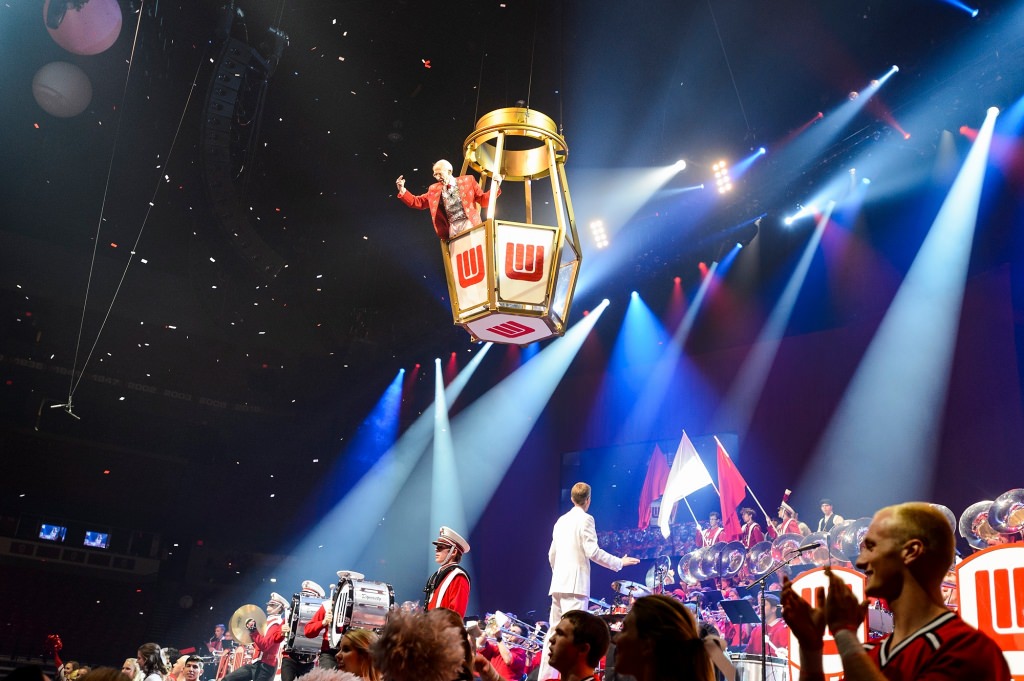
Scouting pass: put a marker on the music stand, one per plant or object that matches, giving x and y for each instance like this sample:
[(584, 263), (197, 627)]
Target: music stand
[(740, 612), (711, 598)]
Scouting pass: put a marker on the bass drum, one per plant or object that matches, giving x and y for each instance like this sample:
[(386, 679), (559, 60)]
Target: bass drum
[(298, 645), (748, 667), (360, 604)]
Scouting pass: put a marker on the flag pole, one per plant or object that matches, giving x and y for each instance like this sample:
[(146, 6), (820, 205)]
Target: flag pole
[(692, 514)]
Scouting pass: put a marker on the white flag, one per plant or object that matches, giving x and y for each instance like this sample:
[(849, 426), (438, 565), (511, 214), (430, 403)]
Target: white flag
[(687, 475)]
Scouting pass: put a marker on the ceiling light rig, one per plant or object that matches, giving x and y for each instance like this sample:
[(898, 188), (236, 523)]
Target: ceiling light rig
[(722, 179)]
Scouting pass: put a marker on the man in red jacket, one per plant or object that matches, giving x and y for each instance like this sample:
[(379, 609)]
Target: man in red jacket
[(264, 667), (452, 200)]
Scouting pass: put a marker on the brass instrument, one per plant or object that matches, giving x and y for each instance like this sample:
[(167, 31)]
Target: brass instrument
[(976, 529), (1006, 514), (498, 627), (239, 618), (759, 559)]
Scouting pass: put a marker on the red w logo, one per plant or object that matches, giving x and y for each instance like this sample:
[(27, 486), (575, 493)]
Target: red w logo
[(1001, 606), (469, 266), (524, 262), (510, 329)]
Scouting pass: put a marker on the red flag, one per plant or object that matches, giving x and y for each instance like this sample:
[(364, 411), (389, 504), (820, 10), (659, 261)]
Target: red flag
[(733, 490), (654, 485)]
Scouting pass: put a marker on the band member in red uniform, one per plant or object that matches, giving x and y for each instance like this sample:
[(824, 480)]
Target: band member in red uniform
[(905, 555), (264, 667), (294, 665), (451, 200), (788, 524), (750, 532), (778, 632), (449, 586), (321, 625), (714, 532), (505, 655)]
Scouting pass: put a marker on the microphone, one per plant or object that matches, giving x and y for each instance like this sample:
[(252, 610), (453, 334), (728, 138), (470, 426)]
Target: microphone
[(809, 547)]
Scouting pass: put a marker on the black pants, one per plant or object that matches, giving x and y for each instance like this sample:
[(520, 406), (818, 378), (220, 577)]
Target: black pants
[(328, 659), (257, 671), (293, 669)]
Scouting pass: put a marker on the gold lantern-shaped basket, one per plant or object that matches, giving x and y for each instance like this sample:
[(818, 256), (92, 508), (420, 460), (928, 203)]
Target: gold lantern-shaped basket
[(513, 281)]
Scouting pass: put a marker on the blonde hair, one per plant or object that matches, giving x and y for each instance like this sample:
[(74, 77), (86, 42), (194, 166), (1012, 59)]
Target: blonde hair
[(362, 640), (923, 522), (580, 493)]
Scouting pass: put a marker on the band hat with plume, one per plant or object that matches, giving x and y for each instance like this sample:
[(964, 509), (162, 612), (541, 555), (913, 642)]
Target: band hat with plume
[(449, 537)]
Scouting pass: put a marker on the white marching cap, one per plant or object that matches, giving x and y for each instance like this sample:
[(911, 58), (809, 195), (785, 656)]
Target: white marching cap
[(449, 537), (311, 588)]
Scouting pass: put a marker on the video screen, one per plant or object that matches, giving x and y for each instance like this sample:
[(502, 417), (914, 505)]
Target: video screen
[(96, 540), (52, 532)]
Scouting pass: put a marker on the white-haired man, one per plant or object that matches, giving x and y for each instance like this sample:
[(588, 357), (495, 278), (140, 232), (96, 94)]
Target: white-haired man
[(452, 200)]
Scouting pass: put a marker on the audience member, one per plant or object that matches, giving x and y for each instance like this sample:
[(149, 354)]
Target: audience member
[(905, 555), (659, 642), (354, 654), (131, 669), (151, 662), (576, 645), (421, 647)]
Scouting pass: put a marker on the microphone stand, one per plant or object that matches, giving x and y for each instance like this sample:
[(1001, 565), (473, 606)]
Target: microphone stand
[(761, 582)]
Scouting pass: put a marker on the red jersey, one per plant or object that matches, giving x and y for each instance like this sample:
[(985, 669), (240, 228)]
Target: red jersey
[(751, 534), (712, 535), (778, 638), (448, 591), (946, 648), (513, 671), (269, 643)]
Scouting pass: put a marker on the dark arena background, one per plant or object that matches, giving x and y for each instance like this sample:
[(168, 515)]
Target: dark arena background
[(227, 357)]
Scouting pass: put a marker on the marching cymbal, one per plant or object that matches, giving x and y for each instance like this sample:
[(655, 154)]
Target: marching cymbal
[(237, 622), (627, 588)]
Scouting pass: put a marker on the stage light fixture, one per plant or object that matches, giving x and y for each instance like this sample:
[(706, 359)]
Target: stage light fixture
[(681, 164), (598, 234), (722, 179)]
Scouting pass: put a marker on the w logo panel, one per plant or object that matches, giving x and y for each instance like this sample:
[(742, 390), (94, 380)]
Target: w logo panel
[(991, 585), (524, 262), (1001, 606), (510, 329), (469, 266)]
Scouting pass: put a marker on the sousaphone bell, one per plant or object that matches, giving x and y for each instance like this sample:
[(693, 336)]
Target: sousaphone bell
[(1006, 514), (239, 618), (759, 559)]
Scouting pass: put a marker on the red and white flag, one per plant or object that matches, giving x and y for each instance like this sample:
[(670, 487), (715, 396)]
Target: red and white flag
[(688, 475)]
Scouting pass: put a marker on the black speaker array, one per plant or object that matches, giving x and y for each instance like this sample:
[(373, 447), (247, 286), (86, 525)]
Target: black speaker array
[(222, 103)]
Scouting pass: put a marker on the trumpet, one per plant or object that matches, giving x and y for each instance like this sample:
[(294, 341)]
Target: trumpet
[(500, 627)]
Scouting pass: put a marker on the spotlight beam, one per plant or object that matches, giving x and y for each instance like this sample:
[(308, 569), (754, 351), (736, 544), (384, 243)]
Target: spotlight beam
[(891, 413), (489, 433), (749, 384)]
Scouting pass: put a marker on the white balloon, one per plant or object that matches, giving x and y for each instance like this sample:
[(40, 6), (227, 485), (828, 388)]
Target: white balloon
[(62, 89)]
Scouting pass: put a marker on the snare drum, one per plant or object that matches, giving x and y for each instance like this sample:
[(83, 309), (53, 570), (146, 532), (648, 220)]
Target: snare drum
[(298, 646), (748, 667), (360, 604)]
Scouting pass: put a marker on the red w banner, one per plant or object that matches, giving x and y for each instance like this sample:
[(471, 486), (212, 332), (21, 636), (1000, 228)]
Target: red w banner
[(733, 490), (654, 485)]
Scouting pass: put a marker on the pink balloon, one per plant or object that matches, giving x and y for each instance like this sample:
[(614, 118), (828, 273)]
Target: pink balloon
[(90, 30)]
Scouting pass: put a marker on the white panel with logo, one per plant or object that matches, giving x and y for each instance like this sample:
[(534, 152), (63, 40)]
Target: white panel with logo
[(523, 260), (805, 585), (468, 254), (991, 584)]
